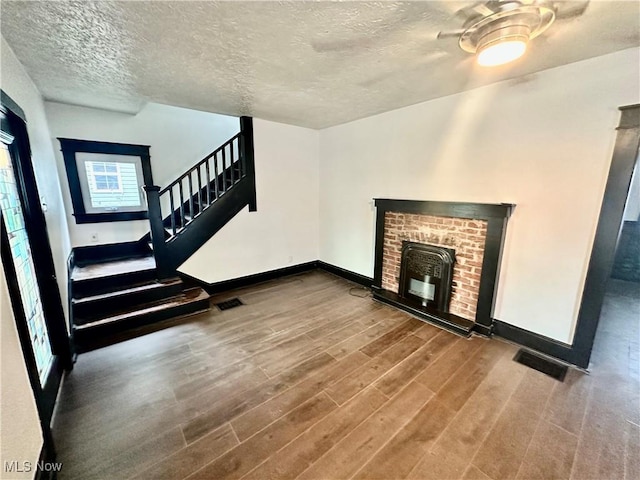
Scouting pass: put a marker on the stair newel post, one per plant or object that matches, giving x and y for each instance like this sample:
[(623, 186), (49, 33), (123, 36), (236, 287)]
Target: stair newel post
[(246, 129), (157, 231)]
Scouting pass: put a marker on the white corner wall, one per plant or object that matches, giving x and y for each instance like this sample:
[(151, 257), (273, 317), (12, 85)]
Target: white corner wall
[(284, 231), (543, 142), (19, 421), (178, 137), (18, 85)]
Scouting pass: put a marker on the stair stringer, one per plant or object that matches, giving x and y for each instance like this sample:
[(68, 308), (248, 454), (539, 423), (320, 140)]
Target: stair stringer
[(183, 245)]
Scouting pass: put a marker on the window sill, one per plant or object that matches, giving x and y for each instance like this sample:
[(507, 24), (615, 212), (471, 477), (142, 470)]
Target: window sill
[(110, 217)]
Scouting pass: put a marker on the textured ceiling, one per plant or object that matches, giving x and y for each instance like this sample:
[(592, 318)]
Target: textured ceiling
[(310, 64)]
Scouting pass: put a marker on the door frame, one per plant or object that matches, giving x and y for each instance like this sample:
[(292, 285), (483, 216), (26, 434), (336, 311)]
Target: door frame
[(625, 155), (13, 122)]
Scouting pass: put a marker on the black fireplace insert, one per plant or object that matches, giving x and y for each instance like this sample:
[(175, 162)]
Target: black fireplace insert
[(426, 273)]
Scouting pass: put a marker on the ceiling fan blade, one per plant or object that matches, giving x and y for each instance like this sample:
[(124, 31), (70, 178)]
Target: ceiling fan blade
[(479, 9), (569, 10), (467, 12), (450, 34), (416, 66), (483, 9)]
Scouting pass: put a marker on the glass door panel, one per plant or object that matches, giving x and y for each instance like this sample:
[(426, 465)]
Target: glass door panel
[(23, 262)]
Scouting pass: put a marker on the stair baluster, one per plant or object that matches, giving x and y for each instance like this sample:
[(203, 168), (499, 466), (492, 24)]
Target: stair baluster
[(208, 175), (232, 164), (215, 171), (199, 177), (173, 209), (224, 170), (191, 211), (181, 205)]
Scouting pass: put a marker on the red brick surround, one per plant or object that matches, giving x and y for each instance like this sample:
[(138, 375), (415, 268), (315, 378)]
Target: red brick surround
[(466, 237)]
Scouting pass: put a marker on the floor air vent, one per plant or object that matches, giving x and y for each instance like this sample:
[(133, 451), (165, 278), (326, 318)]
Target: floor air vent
[(543, 365), (227, 304)]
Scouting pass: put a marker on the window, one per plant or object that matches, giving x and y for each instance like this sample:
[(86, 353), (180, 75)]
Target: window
[(110, 183), (104, 177), (110, 186), (106, 180)]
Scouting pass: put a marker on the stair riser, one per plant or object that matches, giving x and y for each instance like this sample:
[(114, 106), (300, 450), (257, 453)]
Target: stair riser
[(98, 286), (88, 255), (88, 312), (103, 335)]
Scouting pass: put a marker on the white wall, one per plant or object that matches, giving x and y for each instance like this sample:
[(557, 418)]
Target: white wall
[(21, 436), (284, 230), (18, 85), (178, 137), (543, 142)]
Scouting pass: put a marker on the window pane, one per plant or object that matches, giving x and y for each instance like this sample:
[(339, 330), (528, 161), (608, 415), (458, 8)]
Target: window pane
[(97, 167), (113, 183), (25, 268)]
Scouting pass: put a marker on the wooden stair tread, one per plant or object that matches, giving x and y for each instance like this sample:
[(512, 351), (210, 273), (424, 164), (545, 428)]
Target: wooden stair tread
[(131, 290), (188, 296), (113, 268)]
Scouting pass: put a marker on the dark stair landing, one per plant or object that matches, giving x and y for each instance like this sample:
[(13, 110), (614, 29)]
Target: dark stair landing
[(113, 297)]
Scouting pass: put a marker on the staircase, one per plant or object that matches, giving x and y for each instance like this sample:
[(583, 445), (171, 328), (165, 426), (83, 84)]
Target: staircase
[(112, 297), (120, 287), (202, 200)]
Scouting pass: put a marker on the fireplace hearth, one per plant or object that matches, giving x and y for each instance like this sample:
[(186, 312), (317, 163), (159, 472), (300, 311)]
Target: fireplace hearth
[(426, 274)]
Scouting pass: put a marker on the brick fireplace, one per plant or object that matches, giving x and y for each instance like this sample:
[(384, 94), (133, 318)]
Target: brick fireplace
[(465, 236), (475, 232)]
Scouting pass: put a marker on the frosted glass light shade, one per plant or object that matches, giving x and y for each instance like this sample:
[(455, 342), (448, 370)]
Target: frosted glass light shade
[(501, 52)]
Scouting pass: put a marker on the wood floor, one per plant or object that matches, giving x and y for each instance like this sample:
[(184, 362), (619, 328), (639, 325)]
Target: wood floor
[(309, 381)]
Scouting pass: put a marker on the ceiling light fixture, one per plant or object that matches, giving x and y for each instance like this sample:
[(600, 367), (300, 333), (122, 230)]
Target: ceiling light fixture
[(499, 32), (502, 46)]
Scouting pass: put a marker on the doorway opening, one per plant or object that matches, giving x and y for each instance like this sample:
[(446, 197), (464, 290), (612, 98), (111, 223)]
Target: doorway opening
[(612, 213), (616, 345)]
